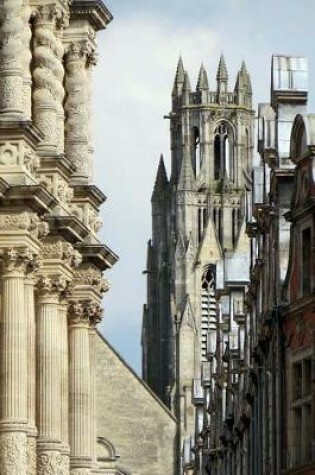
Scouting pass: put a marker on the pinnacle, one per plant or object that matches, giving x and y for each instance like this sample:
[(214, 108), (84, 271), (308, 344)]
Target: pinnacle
[(180, 72), (222, 74), (186, 85), (202, 83), (161, 177)]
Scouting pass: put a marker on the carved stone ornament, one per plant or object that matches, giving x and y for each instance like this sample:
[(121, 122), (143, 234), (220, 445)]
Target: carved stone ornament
[(84, 313), (31, 456), (63, 251), (12, 453), (24, 221), (53, 284), (19, 259), (49, 463), (93, 277)]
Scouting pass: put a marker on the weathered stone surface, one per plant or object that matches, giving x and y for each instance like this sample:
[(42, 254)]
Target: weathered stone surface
[(139, 426)]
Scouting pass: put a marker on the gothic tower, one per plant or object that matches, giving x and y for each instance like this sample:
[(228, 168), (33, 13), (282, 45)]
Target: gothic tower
[(198, 219)]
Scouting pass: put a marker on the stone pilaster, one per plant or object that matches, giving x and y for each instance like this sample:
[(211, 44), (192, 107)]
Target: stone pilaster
[(13, 362), (47, 75), (12, 50), (78, 59), (49, 446), (80, 389)]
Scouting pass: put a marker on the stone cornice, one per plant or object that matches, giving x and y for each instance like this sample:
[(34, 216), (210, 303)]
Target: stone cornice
[(57, 162), (20, 129), (98, 254), (36, 197), (69, 227), (93, 10), (90, 193)]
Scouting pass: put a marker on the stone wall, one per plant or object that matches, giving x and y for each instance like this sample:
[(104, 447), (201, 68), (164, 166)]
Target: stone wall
[(131, 417)]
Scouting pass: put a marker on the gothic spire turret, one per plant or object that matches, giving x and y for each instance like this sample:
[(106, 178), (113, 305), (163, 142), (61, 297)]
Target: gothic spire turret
[(202, 83), (186, 88), (222, 75), (243, 88), (161, 180), (179, 78)]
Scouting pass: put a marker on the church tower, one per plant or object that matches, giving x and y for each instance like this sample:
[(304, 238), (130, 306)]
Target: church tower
[(198, 219)]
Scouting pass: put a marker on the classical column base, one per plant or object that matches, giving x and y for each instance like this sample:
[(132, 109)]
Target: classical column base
[(49, 457), (80, 465), (13, 447)]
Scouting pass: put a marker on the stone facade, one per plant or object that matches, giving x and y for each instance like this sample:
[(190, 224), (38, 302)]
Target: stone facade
[(141, 429), (51, 258), (253, 394), (199, 220)]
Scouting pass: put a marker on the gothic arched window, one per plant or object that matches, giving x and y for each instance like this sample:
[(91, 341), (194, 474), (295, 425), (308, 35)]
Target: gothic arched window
[(223, 151), (195, 145)]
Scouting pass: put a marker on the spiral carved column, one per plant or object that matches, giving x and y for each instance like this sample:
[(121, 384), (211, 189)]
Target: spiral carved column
[(49, 458), (46, 76), (12, 51), (77, 108), (13, 364), (62, 22), (26, 36)]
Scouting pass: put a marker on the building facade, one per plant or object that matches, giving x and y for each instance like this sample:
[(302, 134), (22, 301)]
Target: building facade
[(51, 258), (242, 352), (199, 219)]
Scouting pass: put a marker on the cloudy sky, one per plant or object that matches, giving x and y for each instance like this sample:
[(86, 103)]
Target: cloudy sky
[(133, 82)]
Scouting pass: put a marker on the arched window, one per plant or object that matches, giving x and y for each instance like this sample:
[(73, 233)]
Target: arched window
[(195, 145), (223, 152), (208, 312)]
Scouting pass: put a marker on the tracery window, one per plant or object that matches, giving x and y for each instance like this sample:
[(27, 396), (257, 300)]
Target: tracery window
[(223, 152)]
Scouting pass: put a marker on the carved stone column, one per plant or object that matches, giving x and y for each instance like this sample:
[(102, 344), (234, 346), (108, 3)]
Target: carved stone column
[(49, 458), (62, 22), (77, 107), (95, 318), (27, 58), (12, 52), (13, 363), (64, 355), (47, 75), (80, 390), (31, 371)]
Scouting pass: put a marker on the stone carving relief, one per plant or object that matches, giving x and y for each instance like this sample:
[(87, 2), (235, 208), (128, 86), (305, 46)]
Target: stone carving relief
[(36, 226), (63, 251), (79, 57), (11, 56), (31, 456), (58, 187), (19, 259), (49, 463), (12, 453)]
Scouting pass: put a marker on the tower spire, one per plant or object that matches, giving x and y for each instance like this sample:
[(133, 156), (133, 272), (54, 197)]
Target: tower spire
[(161, 180), (186, 179), (179, 78), (222, 76), (202, 83)]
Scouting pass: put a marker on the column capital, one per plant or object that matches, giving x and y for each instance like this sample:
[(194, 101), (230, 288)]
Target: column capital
[(84, 313), (50, 285), (89, 275), (19, 259), (82, 51)]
